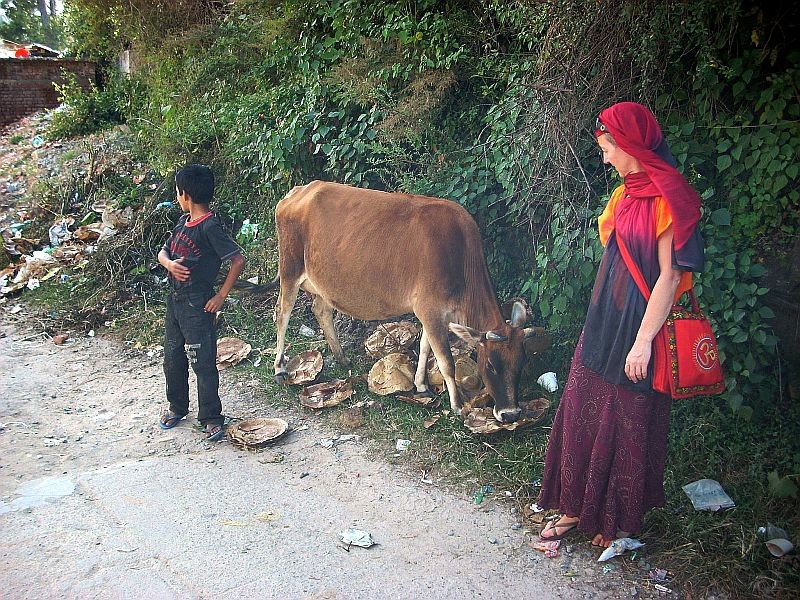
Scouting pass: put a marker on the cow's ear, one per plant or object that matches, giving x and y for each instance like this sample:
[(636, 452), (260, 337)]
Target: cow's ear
[(537, 339), (468, 334), (518, 315)]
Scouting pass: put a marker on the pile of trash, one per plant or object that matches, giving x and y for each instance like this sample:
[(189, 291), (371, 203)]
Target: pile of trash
[(72, 210)]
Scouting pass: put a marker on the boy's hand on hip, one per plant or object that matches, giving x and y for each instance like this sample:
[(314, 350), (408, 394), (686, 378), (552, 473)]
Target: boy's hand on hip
[(178, 271), (214, 303)]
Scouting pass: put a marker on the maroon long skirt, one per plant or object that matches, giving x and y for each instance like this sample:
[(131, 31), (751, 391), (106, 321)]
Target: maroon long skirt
[(605, 457)]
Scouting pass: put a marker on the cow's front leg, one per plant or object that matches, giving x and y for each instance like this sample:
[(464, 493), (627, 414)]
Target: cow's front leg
[(444, 358)]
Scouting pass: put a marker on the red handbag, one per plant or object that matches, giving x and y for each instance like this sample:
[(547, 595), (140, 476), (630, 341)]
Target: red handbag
[(685, 355)]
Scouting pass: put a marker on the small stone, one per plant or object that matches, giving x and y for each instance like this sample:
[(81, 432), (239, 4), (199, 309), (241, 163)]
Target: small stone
[(492, 540)]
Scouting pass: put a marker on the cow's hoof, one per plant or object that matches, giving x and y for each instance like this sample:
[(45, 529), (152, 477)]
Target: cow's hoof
[(281, 378)]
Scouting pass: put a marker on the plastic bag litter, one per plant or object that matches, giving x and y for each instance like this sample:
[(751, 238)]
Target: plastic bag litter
[(59, 233), (548, 381), (776, 540), (391, 337), (618, 547), (392, 373), (707, 494), (356, 537), (550, 548)]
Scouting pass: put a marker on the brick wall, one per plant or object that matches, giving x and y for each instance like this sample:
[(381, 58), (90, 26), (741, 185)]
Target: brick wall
[(26, 85)]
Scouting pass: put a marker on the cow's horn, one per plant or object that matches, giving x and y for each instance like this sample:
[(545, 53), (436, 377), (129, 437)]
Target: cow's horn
[(495, 337)]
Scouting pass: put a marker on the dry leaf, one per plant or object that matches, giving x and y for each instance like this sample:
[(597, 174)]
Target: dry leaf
[(304, 367), (324, 395), (391, 337), (391, 374), (231, 351), (254, 433), (481, 420)]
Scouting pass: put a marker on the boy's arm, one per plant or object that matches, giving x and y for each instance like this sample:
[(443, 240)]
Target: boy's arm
[(175, 267), (216, 302)]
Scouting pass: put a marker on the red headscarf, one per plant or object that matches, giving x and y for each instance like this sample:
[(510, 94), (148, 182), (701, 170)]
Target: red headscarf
[(636, 131)]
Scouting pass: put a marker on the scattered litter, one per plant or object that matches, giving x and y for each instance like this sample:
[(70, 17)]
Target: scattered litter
[(548, 381), (306, 331), (771, 532), (663, 589), (38, 493), (550, 548), (389, 338), (779, 547), (618, 547), (391, 374), (658, 574), (536, 508), (231, 351), (423, 400), (707, 494), (304, 367), (356, 537), (37, 141), (327, 394), (15, 309), (402, 445), (167, 204), (60, 338), (481, 420), (478, 497), (609, 569), (428, 423), (59, 232), (255, 433)]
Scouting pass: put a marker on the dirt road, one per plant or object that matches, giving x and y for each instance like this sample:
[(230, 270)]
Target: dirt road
[(98, 502)]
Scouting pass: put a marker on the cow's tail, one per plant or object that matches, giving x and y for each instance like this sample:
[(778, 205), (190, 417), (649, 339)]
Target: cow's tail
[(254, 288)]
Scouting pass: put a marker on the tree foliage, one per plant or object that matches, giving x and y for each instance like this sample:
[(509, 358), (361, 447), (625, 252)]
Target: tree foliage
[(492, 105)]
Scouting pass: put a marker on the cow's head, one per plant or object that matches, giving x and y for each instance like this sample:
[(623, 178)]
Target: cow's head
[(501, 356)]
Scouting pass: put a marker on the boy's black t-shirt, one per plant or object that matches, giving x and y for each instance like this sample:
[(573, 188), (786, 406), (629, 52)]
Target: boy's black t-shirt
[(204, 246)]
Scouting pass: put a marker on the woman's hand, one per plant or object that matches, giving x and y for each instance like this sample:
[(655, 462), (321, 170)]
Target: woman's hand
[(637, 360)]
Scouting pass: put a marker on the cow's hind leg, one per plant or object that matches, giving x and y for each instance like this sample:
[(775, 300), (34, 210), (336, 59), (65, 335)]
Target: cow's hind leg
[(323, 311), (421, 375), (283, 310)]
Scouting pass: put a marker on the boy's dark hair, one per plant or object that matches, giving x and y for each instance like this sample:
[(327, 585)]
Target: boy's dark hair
[(197, 181)]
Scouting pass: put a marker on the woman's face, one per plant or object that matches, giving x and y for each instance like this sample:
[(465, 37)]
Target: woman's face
[(613, 155)]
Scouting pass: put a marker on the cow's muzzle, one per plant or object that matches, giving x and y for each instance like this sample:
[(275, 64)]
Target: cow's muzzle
[(507, 415)]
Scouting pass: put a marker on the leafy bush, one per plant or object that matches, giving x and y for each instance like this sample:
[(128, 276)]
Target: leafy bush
[(83, 112)]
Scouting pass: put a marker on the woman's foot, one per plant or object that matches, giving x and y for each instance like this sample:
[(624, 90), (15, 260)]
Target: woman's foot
[(602, 542), (556, 530)]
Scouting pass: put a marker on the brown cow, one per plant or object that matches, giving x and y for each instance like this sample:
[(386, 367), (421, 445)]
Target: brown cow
[(375, 255)]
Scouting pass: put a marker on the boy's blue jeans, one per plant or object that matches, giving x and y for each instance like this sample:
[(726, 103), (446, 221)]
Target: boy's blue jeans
[(190, 337)]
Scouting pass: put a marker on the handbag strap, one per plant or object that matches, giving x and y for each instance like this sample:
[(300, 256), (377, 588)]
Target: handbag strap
[(636, 273)]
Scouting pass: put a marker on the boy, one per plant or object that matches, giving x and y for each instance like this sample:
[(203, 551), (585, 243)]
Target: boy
[(193, 255)]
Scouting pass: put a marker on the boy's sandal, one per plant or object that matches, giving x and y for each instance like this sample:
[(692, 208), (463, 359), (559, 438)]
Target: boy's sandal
[(553, 526), (213, 432), (169, 419)]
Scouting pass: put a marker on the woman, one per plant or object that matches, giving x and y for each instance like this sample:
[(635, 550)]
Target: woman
[(604, 467)]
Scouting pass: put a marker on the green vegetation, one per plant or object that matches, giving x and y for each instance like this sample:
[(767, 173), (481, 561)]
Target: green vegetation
[(492, 104)]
